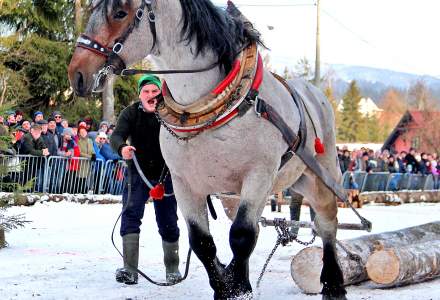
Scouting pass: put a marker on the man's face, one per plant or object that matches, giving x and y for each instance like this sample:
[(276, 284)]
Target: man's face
[(11, 119), (18, 118), (52, 125), (26, 125), (64, 124), (44, 128), (38, 117), (100, 140), (36, 133), (58, 118), (148, 95)]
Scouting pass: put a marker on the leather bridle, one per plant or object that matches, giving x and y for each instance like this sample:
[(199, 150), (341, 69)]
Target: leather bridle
[(114, 63)]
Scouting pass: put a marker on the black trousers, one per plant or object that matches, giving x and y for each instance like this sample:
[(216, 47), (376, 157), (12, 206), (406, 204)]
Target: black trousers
[(165, 209)]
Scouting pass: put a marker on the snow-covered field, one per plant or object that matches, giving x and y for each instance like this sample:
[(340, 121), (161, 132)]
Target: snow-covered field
[(66, 253)]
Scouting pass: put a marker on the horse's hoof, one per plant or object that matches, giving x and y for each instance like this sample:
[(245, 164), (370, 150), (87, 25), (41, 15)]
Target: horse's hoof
[(328, 297), (245, 296), (333, 293)]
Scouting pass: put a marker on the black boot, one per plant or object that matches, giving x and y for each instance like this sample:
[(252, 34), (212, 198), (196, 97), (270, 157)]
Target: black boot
[(171, 261), (130, 249), (295, 211)]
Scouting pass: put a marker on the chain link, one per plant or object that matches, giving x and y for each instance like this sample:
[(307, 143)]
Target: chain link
[(284, 237)]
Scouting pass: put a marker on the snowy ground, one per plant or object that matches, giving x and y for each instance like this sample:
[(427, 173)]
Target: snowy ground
[(66, 253)]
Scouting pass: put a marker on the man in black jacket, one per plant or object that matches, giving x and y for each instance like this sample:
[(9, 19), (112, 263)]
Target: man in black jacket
[(138, 124), (33, 144)]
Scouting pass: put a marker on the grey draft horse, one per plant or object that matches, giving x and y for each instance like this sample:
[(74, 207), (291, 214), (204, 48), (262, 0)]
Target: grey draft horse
[(244, 155)]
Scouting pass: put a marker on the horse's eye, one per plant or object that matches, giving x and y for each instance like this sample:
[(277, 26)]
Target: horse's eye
[(120, 14)]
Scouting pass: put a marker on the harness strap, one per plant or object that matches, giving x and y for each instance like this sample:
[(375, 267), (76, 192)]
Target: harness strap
[(297, 146)]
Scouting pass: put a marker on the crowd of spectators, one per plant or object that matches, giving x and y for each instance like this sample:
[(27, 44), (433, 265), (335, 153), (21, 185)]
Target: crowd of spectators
[(56, 136), (367, 160)]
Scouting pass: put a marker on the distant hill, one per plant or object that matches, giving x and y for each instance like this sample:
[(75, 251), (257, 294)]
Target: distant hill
[(373, 82)]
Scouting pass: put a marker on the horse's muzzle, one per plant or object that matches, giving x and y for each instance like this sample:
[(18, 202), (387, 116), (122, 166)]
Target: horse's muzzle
[(79, 84)]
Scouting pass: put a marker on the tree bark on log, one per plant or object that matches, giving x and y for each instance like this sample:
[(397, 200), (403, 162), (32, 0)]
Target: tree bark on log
[(401, 197), (306, 265), (404, 265)]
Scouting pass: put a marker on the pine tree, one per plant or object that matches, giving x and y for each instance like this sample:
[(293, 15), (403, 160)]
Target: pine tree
[(351, 118)]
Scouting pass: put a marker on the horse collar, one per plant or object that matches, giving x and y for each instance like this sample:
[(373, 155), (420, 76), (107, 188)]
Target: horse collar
[(222, 103)]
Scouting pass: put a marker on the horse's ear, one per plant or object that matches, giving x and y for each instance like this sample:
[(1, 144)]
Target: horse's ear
[(235, 13)]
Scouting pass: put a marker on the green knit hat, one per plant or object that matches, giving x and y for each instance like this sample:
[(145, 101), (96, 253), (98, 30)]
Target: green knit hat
[(148, 79)]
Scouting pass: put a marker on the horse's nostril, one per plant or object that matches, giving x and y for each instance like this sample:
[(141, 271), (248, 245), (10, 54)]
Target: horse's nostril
[(79, 82)]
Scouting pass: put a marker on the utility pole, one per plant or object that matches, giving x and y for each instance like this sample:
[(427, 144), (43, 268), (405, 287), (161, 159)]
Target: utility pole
[(317, 79)]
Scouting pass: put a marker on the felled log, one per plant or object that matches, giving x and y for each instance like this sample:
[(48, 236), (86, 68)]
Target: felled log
[(401, 197), (306, 266), (405, 265), (353, 198)]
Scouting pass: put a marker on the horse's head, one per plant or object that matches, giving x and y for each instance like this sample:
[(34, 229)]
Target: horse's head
[(114, 37)]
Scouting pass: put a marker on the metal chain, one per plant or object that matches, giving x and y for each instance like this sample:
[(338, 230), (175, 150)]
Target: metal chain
[(208, 124), (284, 237), (278, 242)]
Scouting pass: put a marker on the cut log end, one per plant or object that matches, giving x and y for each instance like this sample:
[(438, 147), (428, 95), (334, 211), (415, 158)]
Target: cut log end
[(383, 266), (306, 269)]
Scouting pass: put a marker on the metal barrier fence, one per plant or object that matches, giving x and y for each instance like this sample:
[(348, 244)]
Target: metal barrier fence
[(76, 175), (384, 181)]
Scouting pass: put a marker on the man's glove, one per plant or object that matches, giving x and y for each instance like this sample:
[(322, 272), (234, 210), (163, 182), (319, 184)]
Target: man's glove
[(115, 161), (93, 158)]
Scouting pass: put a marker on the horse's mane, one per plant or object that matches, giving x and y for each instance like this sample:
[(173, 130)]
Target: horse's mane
[(210, 26), (214, 29)]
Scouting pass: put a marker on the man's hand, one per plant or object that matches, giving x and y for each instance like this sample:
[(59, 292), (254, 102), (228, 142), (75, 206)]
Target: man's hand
[(127, 153), (45, 152)]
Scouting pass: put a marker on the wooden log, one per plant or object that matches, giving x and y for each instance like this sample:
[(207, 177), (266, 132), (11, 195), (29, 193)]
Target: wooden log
[(306, 265), (400, 197), (405, 265)]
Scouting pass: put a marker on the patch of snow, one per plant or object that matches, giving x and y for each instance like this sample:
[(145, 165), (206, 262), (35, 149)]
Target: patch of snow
[(66, 253)]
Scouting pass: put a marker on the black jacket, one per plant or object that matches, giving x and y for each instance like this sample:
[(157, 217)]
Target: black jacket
[(49, 140), (141, 129), (31, 146)]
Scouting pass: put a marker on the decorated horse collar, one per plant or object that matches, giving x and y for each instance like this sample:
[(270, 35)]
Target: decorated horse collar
[(221, 104)]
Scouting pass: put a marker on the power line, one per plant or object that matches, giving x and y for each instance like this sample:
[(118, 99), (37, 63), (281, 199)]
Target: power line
[(267, 5), (346, 27)]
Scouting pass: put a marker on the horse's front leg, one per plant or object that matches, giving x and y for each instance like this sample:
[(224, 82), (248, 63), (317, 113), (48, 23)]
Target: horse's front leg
[(193, 208), (326, 224), (244, 233)]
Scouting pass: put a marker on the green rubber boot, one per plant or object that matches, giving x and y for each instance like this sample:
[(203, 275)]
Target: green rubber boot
[(171, 261), (130, 250)]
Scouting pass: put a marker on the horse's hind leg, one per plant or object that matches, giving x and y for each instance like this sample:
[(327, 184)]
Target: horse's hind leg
[(194, 210), (324, 204)]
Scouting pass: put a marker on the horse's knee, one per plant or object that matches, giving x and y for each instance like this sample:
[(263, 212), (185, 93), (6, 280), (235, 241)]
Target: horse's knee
[(243, 235)]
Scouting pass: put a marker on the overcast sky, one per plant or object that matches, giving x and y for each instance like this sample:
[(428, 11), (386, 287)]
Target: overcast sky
[(401, 35)]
